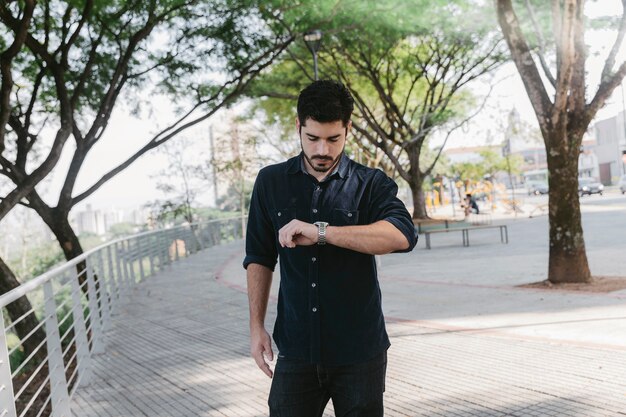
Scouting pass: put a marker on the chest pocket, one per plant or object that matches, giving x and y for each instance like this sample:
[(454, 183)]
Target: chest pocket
[(284, 216), (342, 217)]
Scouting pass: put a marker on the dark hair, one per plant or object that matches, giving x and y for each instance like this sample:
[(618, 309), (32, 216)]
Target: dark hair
[(325, 101)]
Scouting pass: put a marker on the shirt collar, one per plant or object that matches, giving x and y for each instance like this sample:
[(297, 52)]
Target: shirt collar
[(297, 165)]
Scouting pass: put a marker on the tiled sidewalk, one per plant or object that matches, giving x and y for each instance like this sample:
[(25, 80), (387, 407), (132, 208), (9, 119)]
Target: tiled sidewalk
[(179, 347)]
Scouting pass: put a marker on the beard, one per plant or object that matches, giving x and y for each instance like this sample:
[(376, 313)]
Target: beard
[(323, 168)]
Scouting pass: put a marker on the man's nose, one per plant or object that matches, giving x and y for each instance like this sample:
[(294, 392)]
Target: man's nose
[(322, 147)]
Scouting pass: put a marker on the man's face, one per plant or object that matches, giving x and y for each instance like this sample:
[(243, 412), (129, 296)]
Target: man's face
[(322, 143)]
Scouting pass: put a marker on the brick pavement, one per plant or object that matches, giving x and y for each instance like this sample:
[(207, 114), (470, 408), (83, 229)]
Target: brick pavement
[(178, 346)]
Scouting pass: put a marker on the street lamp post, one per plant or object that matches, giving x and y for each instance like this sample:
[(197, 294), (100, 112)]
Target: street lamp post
[(313, 40)]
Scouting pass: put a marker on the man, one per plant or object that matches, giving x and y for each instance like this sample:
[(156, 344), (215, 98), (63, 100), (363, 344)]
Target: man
[(326, 216)]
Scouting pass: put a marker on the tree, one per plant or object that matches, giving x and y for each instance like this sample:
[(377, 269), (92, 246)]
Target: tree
[(82, 56), (564, 110), (407, 72), (10, 55), (418, 84), (236, 159), (178, 182)]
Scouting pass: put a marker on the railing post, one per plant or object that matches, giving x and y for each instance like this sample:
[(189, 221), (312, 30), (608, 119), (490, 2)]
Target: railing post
[(121, 278), (83, 359), (150, 252), (104, 293), (129, 262), (165, 249), (160, 251), (197, 232), (7, 396), (126, 264), (94, 309), (115, 290), (56, 369), (140, 257), (176, 245)]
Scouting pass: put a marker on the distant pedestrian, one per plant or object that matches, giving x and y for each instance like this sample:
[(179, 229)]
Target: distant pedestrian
[(470, 205), (325, 216)]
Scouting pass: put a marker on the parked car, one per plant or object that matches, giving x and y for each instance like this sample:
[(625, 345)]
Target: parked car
[(589, 186), (622, 184), (537, 187)]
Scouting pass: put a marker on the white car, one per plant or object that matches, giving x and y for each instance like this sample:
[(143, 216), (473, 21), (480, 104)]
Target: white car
[(622, 184)]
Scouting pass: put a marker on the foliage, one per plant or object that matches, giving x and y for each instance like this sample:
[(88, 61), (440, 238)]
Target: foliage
[(123, 229), (36, 260), (490, 163), (80, 57), (230, 201), (406, 70)]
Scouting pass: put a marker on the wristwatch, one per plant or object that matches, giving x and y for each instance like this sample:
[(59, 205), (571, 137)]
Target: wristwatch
[(321, 232)]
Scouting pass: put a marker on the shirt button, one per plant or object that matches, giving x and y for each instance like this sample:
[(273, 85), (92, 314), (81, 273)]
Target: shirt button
[(314, 285), (314, 259), (318, 188), (314, 210), (279, 214), (314, 309), (349, 214)]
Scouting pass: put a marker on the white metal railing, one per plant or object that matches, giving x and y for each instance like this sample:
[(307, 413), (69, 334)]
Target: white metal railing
[(73, 304)]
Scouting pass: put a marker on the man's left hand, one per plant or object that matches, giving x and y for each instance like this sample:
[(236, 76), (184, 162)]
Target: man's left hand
[(297, 233)]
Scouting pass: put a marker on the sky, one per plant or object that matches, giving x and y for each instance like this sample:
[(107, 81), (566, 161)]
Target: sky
[(136, 185)]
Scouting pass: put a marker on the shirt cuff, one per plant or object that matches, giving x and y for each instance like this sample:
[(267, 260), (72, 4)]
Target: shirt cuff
[(261, 260), (409, 231)]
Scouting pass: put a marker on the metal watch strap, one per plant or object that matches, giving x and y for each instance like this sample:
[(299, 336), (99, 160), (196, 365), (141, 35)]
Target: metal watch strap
[(321, 232)]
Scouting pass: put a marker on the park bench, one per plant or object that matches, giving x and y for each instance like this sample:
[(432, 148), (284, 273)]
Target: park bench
[(504, 233)]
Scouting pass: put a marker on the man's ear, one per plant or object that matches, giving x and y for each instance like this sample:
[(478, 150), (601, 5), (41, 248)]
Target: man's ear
[(298, 127), (348, 127)]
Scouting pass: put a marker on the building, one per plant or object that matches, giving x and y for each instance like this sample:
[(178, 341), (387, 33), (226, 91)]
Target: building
[(100, 221), (611, 148)]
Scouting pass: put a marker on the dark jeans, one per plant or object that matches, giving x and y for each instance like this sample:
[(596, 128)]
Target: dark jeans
[(300, 389)]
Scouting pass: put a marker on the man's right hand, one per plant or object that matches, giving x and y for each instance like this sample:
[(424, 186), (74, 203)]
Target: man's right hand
[(261, 348)]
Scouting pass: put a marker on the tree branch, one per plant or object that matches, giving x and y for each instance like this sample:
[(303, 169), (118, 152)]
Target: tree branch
[(566, 68), (162, 137), (86, 73), (523, 61), (6, 60), (382, 145), (83, 19), (610, 61), (542, 44), (604, 92), (457, 126)]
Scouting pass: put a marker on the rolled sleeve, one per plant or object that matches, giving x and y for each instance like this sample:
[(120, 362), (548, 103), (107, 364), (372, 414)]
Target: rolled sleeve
[(260, 236), (387, 206)]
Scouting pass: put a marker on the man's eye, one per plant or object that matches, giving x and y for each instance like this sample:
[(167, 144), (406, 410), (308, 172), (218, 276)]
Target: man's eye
[(333, 140)]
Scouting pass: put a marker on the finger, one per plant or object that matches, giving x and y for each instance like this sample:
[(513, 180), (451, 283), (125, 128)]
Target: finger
[(281, 237), (288, 238), (263, 366)]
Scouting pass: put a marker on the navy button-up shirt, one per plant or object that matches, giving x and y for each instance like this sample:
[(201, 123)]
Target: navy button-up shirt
[(329, 302)]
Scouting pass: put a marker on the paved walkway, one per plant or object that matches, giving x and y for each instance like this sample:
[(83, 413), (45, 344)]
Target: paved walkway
[(465, 341)]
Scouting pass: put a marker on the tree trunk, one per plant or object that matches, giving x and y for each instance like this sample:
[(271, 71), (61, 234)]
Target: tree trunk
[(416, 181), (67, 238), (419, 199), (19, 308), (568, 259)]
